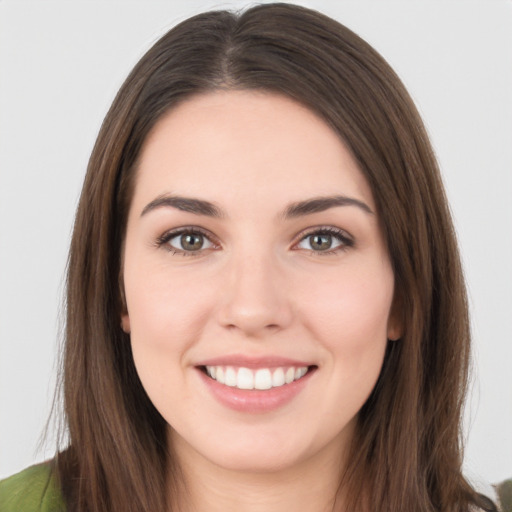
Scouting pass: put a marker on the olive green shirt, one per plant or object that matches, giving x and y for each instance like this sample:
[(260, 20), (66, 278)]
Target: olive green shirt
[(32, 490)]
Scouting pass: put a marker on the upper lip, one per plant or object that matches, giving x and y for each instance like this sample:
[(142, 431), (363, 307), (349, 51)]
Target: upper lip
[(244, 361)]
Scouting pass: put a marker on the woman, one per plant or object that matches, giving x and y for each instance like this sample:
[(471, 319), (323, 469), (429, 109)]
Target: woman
[(265, 302)]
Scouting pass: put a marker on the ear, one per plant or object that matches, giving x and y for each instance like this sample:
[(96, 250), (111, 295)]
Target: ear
[(125, 323), (395, 330), (395, 320), (125, 317)]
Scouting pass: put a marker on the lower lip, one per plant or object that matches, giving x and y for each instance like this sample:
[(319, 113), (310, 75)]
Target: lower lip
[(255, 400)]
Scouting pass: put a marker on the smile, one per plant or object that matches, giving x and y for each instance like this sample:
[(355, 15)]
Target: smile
[(260, 379)]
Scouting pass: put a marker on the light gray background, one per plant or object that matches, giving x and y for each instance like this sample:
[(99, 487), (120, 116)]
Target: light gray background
[(61, 63)]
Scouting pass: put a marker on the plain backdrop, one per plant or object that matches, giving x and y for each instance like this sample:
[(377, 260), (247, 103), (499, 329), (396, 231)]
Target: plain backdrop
[(61, 62)]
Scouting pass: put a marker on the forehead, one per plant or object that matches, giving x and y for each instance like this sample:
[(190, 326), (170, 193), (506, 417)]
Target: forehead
[(243, 144)]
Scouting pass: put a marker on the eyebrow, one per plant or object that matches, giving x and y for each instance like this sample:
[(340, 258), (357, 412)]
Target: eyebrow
[(185, 204), (294, 210), (320, 204)]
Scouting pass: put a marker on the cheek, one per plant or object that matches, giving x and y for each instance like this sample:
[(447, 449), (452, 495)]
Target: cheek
[(349, 311), (167, 317), (167, 314), (348, 316), (165, 306)]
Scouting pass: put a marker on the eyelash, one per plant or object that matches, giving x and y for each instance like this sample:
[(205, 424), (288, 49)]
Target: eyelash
[(346, 241)]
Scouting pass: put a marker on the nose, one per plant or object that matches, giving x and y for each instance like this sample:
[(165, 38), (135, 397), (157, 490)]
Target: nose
[(255, 298)]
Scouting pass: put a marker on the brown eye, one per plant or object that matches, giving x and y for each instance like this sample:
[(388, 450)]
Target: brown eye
[(327, 240), (189, 242), (320, 242)]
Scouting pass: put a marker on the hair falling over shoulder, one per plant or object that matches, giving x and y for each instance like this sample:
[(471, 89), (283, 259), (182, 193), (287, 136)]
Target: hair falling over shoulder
[(407, 453)]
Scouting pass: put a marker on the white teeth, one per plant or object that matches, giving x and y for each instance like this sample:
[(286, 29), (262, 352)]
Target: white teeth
[(230, 377), (300, 372), (245, 379), (262, 378), (278, 378)]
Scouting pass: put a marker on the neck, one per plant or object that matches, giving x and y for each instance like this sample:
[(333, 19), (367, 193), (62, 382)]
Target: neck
[(311, 485)]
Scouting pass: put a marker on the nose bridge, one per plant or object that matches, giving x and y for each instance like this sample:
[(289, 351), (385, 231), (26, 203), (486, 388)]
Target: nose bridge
[(254, 299)]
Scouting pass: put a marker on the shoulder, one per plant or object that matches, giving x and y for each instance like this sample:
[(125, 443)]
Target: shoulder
[(32, 490)]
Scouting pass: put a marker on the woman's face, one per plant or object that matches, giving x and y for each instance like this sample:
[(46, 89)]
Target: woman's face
[(257, 281)]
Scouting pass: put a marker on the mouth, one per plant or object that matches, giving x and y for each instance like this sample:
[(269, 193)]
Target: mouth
[(256, 378)]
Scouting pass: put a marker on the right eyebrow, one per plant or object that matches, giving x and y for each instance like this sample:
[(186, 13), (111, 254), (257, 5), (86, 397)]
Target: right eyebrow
[(185, 204)]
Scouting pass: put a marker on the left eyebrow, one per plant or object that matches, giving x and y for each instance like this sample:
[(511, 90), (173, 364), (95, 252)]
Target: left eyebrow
[(320, 204)]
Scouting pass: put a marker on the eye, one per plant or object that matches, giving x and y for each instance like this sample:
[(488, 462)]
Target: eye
[(186, 242), (325, 240)]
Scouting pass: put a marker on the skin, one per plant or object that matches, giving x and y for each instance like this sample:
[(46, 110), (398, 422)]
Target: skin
[(257, 287)]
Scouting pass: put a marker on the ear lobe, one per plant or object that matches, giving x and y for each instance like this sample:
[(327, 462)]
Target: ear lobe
[(395, 321), (125, 317), (395, 330), (125, 323)]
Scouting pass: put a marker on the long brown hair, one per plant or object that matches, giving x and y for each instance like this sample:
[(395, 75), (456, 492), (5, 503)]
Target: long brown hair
[(407, 452)]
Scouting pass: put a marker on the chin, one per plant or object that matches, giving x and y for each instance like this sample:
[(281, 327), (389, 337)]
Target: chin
[(260, 450), (258, 462)]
